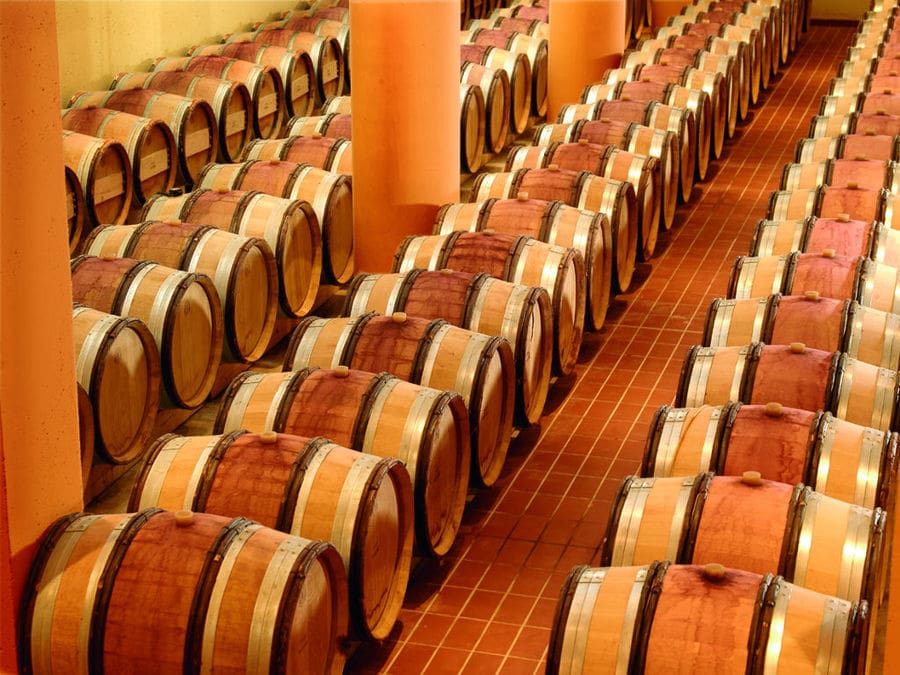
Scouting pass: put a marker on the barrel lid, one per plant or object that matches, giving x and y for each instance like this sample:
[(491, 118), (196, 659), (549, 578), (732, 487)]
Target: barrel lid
[(752, 478)]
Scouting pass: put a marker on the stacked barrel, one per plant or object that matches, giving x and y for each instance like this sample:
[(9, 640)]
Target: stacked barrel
[(774, 470)]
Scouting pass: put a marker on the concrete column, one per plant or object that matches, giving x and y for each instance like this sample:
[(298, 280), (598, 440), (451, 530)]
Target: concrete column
[(404, 57), (586, 38), (40, 470)]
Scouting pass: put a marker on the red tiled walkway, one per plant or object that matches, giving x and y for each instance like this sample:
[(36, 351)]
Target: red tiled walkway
[(488, 606)]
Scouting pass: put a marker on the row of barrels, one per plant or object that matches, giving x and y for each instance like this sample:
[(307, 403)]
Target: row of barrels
[(806, 462)]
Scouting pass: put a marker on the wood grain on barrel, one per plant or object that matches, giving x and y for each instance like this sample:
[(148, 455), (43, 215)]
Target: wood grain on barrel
[(476, 252), (96, 281), (776, 446), (846, 238), (328, 405), (797, 380), (818, 323), (385, 344), (440, 295), (832, 277)]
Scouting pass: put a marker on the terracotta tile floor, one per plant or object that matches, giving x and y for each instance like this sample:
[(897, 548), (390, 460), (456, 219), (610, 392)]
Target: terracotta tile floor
[(488, 606)]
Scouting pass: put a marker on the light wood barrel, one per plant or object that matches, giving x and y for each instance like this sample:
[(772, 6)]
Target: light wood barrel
[(289, 227), (325, 27), (472, 125), (690, 618), (332, 125), (192, 121), (86, 435), (329, 194), (332, 154), (846, 461), (430, 353), (325, 52), (533, 47), (796, 376), (241, 268), (263, 82), (76, 209), (307, 487), (149, 143), (706, 519), (377, 414), (494, 86), (476, 302), (117, 364), (230, 101), (181, 309), (295, 67), (518, 259), (814, 235), (104, 171), (517, 68), (159, 591)]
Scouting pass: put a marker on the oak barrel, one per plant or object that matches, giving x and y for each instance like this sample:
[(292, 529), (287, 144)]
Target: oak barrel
[(76, 209), (104, 171), (494, 86), (332, 154)]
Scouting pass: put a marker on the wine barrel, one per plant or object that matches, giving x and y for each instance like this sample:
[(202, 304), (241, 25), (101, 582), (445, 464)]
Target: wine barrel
[(263, 82), (230, 101), (476, 302), (324, 27), (517, 68), (533, 47), (701, 619), (76, 209), (325, 52), (429, 353), (104, 171), (290, 228), (839, 459), (117, 364), (332, 125), (149, 143), (797, 376), (815, 235), (472, 126), (295, 67), (377, 414), (332, 154), (241, 268), (517, 259), (607, 161), (629, 136), (829, 274), (870, 174), (86, 435), (818, 542), (307, 487), (191, 120), (170, 592), (329, 194), (181, 310), (866, 334), (494, 85)]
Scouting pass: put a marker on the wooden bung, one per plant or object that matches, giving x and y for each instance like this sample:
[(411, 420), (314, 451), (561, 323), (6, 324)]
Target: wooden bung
[(774, 409), (798, 347), (753, 478), (713, 572)]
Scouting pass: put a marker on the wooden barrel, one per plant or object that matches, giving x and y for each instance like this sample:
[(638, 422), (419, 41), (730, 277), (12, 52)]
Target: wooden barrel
[(230, 101), (325, 52), (323, 27), (76, 209), (337, 104), (149, 143), (494, 86), (104, 171), (477, 302), (329, 194), (581, 189), (818, 542), (796, 376), (332, 125), (169, 592), (870, 174), (533, 47), (86, 434), (429, 353), (117, 364), (517, 68), (289, 227), (295, 67), (192, 121), (307, 487), (607, 161), (827, 273), (378, 414), (472, 126), (848, 146), (866, 334), (241, 268), (520, 260), (263, 82), (181, 310), (816, 235), (840, 459), (332, 154), (691, 618)]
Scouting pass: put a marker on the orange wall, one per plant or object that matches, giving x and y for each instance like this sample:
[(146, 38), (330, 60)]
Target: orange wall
[(39, 451)]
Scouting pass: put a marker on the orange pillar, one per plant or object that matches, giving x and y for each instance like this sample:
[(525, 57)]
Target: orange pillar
[(40, 473), (661, 10), (404, 57), (586, 38)]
